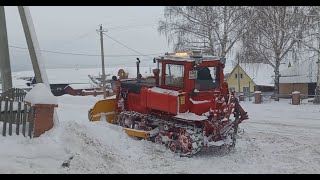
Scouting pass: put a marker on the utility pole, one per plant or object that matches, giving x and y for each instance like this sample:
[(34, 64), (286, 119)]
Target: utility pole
[(33, 46), (36, 57), (102, 61), (5, 68)]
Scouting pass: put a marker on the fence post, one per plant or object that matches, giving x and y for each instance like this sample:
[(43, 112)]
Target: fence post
[(18, 118), (31, 122), (5, 117), (10, 117), (257, 97), (43, 110), (295, 98), (24, 119), (0, 108), (42, 118)]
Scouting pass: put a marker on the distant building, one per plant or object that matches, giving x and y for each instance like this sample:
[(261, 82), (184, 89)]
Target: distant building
[(300, 77), (76, 89), (59, 79), (251, 77)]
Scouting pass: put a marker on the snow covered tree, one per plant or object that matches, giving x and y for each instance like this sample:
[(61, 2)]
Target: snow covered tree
[(314, 14), (310, 37), (266, 38), (215, 29)]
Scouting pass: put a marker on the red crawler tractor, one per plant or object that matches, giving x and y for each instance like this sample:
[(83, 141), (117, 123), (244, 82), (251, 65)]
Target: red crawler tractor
[(188, 107)]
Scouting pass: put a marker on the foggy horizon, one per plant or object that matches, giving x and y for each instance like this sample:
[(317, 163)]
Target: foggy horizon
[(64, 32)]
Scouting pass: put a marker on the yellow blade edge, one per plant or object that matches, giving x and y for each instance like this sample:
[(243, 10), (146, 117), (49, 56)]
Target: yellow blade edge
[(137, 133), (103, 110)]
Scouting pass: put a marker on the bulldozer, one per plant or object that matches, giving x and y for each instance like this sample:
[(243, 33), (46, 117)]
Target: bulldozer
[(187, 107)]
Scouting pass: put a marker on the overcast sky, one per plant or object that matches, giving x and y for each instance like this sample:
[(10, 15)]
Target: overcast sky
[(72, 29)]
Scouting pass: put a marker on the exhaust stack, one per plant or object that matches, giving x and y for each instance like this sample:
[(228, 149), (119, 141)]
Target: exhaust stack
[(138, 70)]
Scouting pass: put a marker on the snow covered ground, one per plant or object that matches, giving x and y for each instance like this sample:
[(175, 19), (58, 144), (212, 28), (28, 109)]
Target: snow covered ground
[(278, 138)]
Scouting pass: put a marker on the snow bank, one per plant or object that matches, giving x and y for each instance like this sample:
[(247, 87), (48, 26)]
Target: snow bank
[(40, 94)]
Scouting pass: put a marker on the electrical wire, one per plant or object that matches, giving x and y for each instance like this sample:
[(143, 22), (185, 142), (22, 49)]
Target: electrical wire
[(83, 54)]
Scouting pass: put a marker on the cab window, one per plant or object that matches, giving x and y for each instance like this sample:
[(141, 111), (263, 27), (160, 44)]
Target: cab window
[(174, 75), (207, 78)]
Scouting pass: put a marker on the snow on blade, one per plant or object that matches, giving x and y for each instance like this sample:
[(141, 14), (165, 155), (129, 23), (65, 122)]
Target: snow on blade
[(40, 94)]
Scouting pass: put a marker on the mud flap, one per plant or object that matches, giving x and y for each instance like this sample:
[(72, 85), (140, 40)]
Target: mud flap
[(103, 110)]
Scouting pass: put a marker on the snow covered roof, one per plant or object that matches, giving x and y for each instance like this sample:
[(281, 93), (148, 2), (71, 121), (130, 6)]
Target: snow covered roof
[(260, 73), (80, 86), (304, 72)]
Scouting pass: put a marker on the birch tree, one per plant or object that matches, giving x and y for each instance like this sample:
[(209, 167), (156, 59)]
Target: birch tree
[(214, 29), (314, 15), (273, 33)]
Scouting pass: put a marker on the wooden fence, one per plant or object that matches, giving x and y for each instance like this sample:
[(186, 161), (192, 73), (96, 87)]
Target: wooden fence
[(16, 116), (15, 94)]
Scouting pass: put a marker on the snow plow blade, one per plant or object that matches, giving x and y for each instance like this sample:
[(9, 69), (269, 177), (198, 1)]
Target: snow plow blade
[(103, 110), (137, 133)]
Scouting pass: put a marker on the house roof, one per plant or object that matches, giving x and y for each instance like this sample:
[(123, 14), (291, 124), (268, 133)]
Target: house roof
[(304, 72), (260, 73), (80, 86)]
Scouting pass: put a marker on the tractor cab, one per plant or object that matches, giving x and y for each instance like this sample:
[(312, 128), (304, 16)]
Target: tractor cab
[(197, 77), (193, 73)]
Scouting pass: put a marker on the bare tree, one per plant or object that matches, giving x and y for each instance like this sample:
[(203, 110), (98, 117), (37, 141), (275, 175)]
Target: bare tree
[(214, 29), (314, 14), (267, 39)]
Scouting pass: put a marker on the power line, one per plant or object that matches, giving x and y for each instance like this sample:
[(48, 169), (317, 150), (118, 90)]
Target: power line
[(126, 46), (83, 54), (151, 21), (112, 28), (73, 40), (121, 27)]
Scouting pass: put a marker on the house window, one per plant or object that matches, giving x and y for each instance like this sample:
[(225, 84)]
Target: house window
[(241, 75), (236, 76), (246, 89)]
